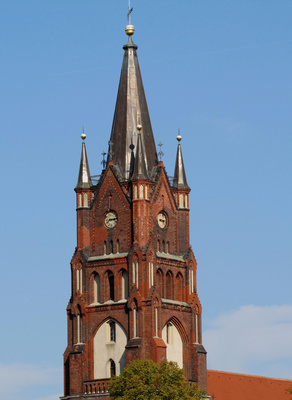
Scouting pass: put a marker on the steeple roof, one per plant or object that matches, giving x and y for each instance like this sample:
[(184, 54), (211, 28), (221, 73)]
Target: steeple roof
[(140, 171), (131, 110), (180, 179), (84, 180)]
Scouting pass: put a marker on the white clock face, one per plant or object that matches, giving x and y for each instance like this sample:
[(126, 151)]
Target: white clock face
[(110, 219), (162, 220)]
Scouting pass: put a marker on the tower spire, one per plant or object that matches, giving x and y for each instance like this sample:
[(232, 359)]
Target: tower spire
[(140, 171), (131, 109), (179, 180), (84, 180)]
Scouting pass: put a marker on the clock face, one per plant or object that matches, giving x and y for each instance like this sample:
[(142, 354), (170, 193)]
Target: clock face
[(162, 220), (110, 219)]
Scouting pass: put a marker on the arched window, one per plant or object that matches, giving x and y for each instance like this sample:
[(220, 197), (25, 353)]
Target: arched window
[(136, 327), (179, 287), (158, 245), (85, 200), (169, 285), (174, 344), (118, 246), (111, 283), (111, 368), (169, 333), (96, 289), (191, 278), (125, 285), (111, 247), (159, 282), (111, 331), (104, 247), (104, 350), (151, 279), (79, 327), (80, 200), (155, 318), (135, 273)]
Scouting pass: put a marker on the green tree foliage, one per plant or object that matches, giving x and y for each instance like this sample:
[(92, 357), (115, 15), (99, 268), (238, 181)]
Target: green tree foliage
[(144, 379), (289, 390)]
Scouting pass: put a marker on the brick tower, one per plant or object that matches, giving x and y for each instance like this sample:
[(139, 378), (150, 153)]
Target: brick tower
[(133, 271)]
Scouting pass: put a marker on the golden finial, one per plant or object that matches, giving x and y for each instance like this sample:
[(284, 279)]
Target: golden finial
[(179, 138), (130, 28), (83, 136), (139, 127)]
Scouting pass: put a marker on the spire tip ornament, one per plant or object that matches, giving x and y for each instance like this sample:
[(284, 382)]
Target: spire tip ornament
[(179, 137), (83, 136), (130, 28)]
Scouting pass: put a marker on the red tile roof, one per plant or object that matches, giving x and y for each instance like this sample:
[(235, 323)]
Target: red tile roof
[(232, 386)]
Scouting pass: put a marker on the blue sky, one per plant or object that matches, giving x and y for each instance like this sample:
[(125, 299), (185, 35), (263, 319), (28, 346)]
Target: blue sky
[(219, 71)]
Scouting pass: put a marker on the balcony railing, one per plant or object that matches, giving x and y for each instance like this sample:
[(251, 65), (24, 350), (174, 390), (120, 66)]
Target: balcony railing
[(96, 386)]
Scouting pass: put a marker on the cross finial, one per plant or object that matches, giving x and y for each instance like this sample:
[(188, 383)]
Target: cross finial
[(110, 153), (129, 12), (160, 153), (103, 162)]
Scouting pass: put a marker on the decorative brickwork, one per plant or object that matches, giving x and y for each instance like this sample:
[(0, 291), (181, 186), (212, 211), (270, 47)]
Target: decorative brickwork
[(133, 271)]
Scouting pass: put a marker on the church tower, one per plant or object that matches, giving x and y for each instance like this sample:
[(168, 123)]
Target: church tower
[(134, 289)]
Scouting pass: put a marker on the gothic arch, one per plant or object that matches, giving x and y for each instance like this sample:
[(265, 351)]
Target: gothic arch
[(109, 285), (95, 286), (169, 285), (103, 352), (159, 282), (179, 287)]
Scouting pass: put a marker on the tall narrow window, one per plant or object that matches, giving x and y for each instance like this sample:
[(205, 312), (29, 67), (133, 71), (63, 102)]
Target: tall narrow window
[(158, 246), (137, 275), (169, 285), (179, 287), (141, 192), (134, 272), (197, 329), (135, 322), (79, 328), (186, 201), (159, 282), (151, 274), (181, 201), (85, 200), (111, 247), (169, 333), (112, 331), (125, 285), (191, 281), (112, 368), (118, 246), (77, 280), (96, 289), (80, 200), (111, 282), (156, 321), (80, 280), (104, 247), (146, 192), (135, 192), (167, 247)]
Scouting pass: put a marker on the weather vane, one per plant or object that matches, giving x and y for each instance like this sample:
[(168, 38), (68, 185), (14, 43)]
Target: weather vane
[(129, 12), (160, 153), (103, 162)]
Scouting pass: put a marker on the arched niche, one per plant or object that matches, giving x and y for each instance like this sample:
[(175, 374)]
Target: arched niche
[(174, 344), (109, 347)]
